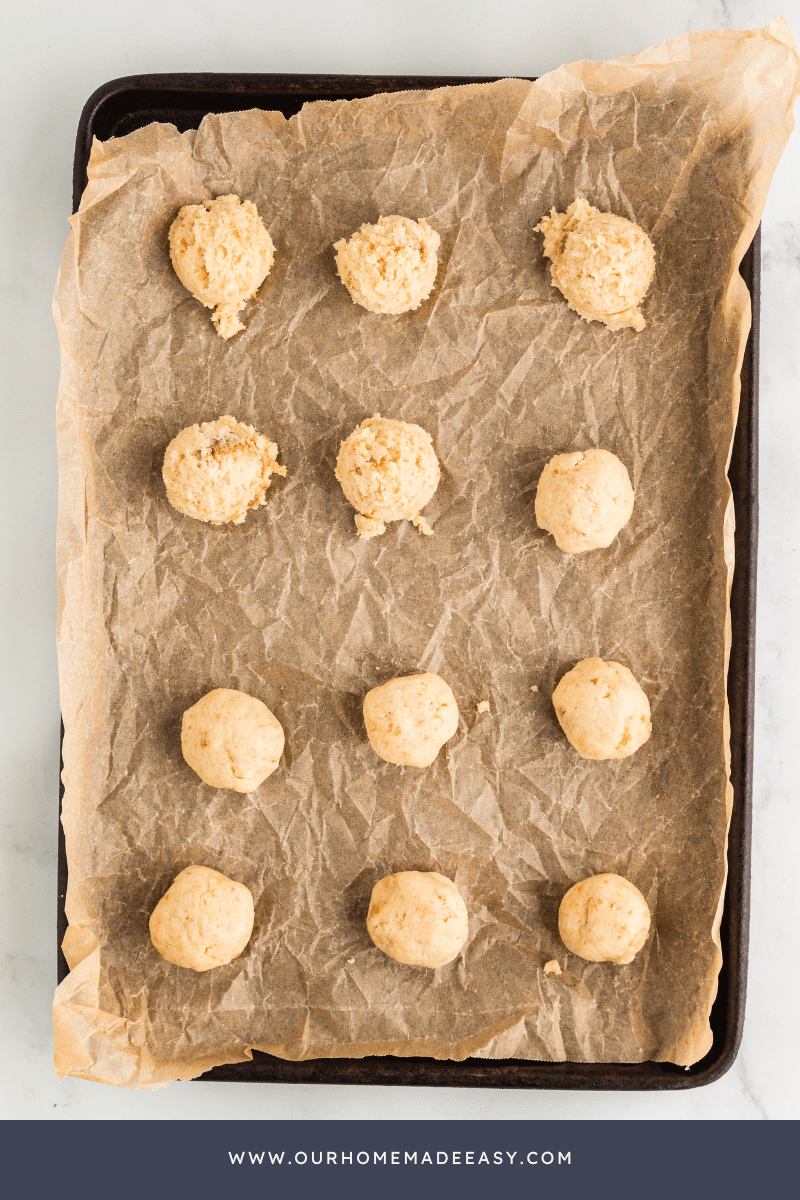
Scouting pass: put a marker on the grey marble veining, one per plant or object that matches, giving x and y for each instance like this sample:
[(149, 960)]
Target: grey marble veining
[(53, 58)]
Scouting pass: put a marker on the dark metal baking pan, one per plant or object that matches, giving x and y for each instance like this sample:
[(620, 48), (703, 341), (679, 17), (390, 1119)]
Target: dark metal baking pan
[(126, 104)]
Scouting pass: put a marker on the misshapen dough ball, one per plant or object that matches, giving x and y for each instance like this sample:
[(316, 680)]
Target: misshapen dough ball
[(604, 919), (602, 709), (389, 267), (603, 264), (584, 499), (410, 718), (222, 253), (203, 921), (231, 740), (388, 471), (219, 470), (418, 918)]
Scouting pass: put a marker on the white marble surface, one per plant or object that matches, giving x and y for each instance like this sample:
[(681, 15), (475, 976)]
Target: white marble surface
[(54, 54)]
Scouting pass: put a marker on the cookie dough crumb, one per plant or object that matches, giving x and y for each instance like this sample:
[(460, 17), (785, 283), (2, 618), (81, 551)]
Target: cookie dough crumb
[(422, 525), (552, 967), (584, 499), (219, 470), (389, 267), (204, 920), (409, 719), (602, 709), (603, 264), (604, 919), (418, 918), (388, 471), (483, 706), (222, 253), (535, 688), (350, 961), (231, 740)]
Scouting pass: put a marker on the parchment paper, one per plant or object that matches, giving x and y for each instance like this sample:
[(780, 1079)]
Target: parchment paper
[(156, 609)]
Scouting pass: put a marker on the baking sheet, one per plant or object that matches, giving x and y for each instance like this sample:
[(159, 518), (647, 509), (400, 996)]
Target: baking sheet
[(472, 762)]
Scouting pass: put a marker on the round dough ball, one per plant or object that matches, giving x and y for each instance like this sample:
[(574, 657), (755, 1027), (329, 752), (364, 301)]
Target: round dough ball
[(602, 709), (604, 919), (216, 471), (409, 719), (389, 267), (418, 918), (231, 740), (203, 921), (222, 253), (388, 471), (603, 264), (584, 499)]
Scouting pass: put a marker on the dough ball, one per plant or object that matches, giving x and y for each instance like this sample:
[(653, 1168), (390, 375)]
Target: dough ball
[(409, 719), (418, 918), (231, 740), (584, 499), (602, 263), (389, 267), (216, 471), (604, 919), (388, 471), (203, 921), (222, 253), (602, 709)]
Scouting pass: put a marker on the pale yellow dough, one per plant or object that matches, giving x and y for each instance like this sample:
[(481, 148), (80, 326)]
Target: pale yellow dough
[(219, 470), (203, 921), (584, 499), (418, 918), (604, 919), (231, 740), (410, 718), (222, 253), (388, 471), (603, 264), (389, 267), (602, 709)]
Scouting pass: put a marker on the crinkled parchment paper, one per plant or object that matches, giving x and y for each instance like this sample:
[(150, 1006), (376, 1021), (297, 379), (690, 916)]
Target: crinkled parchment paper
[(155, 608)]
